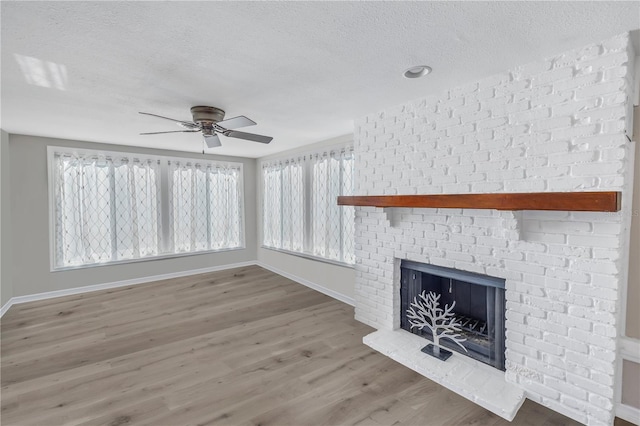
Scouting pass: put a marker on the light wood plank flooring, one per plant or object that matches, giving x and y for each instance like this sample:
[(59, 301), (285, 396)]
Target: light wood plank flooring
[(242, 346)]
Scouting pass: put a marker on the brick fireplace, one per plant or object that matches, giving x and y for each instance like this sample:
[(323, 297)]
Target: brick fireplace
[(557, 125)]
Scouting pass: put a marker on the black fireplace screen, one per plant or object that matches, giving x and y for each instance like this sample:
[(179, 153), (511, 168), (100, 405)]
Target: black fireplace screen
[(479, 308)]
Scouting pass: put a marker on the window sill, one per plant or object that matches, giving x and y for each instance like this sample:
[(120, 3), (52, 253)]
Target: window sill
[(309, 257), (143, 259)]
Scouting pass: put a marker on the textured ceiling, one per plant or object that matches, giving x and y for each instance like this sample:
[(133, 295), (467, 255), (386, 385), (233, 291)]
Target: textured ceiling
[(302, 70)]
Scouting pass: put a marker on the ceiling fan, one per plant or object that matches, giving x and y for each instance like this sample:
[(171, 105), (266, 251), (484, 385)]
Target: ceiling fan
[(209, 121)]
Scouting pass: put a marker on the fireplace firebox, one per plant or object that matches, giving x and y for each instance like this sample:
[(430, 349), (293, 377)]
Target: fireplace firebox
[(479, 308)]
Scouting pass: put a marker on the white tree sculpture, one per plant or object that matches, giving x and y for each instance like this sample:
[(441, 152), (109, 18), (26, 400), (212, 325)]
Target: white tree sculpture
[(426, 312)]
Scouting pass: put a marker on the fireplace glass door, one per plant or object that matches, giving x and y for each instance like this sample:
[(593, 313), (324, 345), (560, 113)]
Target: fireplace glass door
[(479, 308)]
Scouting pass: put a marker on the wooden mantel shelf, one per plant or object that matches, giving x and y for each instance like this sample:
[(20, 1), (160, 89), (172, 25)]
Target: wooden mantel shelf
[(564, 201)]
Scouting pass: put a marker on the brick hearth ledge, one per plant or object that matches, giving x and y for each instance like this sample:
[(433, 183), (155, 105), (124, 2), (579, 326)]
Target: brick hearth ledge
[(479, 383)]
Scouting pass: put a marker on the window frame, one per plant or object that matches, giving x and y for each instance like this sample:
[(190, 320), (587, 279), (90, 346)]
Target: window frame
[(164, 205), (307, 215)]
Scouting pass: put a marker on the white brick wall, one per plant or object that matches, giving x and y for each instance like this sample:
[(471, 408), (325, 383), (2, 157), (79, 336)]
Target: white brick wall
[(553, 125)]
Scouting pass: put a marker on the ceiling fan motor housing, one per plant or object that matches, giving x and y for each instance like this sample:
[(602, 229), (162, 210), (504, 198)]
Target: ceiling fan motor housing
[(206, 114)]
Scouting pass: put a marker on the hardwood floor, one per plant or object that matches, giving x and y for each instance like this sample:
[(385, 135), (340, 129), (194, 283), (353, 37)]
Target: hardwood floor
[(242, 346)]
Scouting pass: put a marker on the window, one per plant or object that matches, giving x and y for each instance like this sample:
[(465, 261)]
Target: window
[(205, 206), (111, 207), (300, 210), (284, 205), (332, 225)]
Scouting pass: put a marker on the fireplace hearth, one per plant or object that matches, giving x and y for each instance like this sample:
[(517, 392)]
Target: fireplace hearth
[(479, 308)]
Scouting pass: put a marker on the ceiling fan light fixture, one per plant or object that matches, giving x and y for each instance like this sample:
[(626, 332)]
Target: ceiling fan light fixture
[(210, 122), (212, 140), (417, 71)]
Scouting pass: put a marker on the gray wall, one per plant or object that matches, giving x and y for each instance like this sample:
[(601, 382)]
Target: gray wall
[(630, 369), (6, 289), (30, 223), (340, 279), (633, 286), (631, 383)]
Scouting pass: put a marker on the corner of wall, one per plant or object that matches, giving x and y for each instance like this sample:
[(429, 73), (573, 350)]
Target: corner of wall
[(6, 282), (333, 280)]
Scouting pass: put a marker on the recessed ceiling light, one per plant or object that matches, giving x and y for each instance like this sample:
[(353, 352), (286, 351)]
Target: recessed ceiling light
[(417, 71)]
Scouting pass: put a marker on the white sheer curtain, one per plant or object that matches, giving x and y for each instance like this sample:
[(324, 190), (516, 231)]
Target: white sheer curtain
[(106, 208), (293, 206), (348, 213), (272, 205), (332, 226), (300, 211), (206, 211), (225, 205), (283, 204)]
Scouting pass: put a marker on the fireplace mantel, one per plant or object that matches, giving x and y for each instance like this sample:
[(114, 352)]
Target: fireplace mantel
[(563, 201)]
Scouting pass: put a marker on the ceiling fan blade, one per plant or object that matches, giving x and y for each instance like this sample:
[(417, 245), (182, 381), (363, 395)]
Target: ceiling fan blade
[(236, 122), (187, 123), (172, 131), (212, 141), (248, 136)]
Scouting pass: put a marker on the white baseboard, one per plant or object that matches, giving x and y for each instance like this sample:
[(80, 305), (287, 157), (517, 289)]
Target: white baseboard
[(331, 293), (628, 413), (86, 289), (6, 307)]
